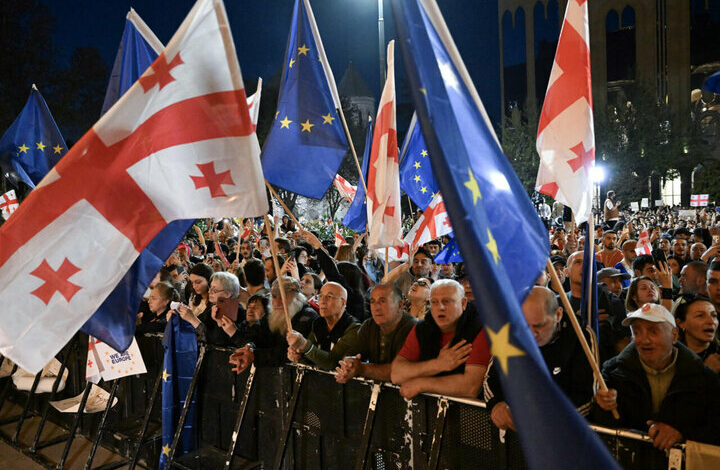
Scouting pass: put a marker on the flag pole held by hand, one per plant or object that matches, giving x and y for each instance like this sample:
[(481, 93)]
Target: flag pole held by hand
[(277, 273), (578, 330)]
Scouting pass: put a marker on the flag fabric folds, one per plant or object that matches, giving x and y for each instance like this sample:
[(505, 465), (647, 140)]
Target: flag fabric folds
[(253, 102), (383, 199), (345, 189), (433, 223), (449, 254), (181, 353), (306, 143), (566, 139), (712, 83), (493, 219), (32, 145), (416, 176), (8, 203), (179, 145), (139, 47), (644, 246), (356, 215)]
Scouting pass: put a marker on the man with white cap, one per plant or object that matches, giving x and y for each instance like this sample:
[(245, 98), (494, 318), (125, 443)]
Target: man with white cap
[(659, 385)]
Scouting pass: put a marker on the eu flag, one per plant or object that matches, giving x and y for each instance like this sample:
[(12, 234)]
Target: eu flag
[(306, 143), (494, 220), (356, 215), (114, 321), (32, 145), (449, 254), (181, 355), (416, 176)]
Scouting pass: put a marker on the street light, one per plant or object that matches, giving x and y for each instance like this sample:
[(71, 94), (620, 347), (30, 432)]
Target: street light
[(597, 177)]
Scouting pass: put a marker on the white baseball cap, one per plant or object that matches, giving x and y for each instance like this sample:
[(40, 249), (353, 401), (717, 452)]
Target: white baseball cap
[(650, 312)]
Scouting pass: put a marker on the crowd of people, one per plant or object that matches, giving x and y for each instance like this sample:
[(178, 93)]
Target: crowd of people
[(416, 323)]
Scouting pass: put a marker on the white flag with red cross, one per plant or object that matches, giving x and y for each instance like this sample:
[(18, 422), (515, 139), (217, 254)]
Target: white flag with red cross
[(643, 247), (433, 223), (383, 198), (345, 189), (699, 200), (566, 138), (339, 238), (253, 102), (8, 203), (179, 144)]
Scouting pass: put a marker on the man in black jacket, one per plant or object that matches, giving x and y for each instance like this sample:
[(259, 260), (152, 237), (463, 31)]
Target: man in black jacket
[(659, 385), (561, 350)]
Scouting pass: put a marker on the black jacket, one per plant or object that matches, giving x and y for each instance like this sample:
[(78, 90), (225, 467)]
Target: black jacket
[(271, 347), (691, 405)]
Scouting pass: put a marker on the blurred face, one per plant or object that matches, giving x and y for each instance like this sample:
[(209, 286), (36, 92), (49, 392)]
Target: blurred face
[(653, 341), (199, 284), (385, 308), (448, 269), (674, 266), (269, 270), (609, 241), (246, 250), (419, 290), (574, 268), (157, 302), (560, 270), (217, 291), (701, 322), (541, 324), (302, 257), (421, 265), (649, 270), (664, 244), (646, 292), (217, 266), (679, 246), (696, 250), (629, 252), (690, 280), (446, 306), (433, 249), (713, 286), (332, 301), (307, 286), (468, 290), (255, 311), (614, 284)]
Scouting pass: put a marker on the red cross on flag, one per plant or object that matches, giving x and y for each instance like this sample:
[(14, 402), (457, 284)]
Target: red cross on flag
[(253, 102), (696, 200), (345, 189), (339, 239), (8, 203), (383, 198), (433, 223), (643, 247), (566, 139), (179, 144)]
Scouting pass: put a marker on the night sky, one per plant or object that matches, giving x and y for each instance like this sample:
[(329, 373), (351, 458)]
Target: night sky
[(348, 28)]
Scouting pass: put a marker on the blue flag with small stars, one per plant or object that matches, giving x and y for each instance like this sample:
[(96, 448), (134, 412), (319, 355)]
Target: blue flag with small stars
[(356, 215), (181, 353), (449, 254), (494, 220), (306, 143), (416, 176), (32, 145)]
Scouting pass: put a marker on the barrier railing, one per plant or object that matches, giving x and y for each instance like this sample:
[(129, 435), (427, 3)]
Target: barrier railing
[(294, 417)]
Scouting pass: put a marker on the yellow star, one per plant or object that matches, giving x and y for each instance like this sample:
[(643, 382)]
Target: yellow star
[(472, 185), (285, 123), (423, 91), (423, 190), (23, 148), (423, 153), (328, 119), (165, 375), (40, 146), (292, 61), (491, 245), (166, 450), (306, 125), (417, 165), (57, 149), (303, 50), (501, 347), (417, 178), (433, 195)]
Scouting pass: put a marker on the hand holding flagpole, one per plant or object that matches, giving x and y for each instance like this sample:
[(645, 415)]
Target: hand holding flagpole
[(277, 272)]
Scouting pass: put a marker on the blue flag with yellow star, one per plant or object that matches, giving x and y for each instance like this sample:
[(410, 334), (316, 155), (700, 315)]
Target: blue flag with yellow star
[(114, 321), (449, 254), (181, 355), (356, 215), (494, 220), (32, 145), (306, 143), (416, 176)]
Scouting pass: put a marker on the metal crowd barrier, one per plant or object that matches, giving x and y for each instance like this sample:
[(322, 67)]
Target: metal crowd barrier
[(291, 417)]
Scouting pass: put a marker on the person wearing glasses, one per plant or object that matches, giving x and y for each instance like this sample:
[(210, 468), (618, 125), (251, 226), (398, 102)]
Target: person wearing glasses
[(418, 298), (331, 333)]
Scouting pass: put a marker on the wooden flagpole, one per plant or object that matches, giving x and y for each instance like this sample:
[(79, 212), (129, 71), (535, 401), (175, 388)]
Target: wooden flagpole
[(352, 147), (287, 211), (277, 273)]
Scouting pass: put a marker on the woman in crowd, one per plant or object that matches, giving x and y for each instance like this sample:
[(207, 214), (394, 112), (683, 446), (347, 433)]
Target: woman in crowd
[(642, 290), (418, 299), (675, 267), (345, 253), (697, 320), (310, 285), (158, 304)]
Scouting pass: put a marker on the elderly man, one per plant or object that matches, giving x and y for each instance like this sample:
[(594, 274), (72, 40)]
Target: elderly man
[(659, 385), (693, 278), (561, 350), (613, 279), (447, 352), (328, 340), (697, 250), (270, 348), (379, 338)]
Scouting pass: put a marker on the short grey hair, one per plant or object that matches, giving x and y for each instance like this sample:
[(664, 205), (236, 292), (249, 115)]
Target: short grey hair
[(460, 290), (229, 282)]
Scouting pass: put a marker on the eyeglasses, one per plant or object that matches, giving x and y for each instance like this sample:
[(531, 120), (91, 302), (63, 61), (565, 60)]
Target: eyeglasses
[(216, 291), (422, 283), (328, 297)]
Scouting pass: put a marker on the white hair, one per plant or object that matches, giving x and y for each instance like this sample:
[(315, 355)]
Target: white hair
[(229, 282), (276, 318), (460, 290)]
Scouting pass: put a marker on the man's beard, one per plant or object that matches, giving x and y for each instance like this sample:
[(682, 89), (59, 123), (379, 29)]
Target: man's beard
[(276, 318)]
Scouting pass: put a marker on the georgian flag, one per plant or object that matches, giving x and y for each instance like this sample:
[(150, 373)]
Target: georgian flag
[(345, 189), (699, 200), (339, 239), (180, 144), (566, 139), (253, 102), (383, 198), (643, 247), (433, 223), (8, 203)]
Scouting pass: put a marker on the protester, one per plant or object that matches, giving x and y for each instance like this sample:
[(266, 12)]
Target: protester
[(154, 320), (610, 255), (642, 290), (418, 298), (713, 283), (693, 278), (625, 265), (419, 265), (611, 212), (697, 321), (613, 279)]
